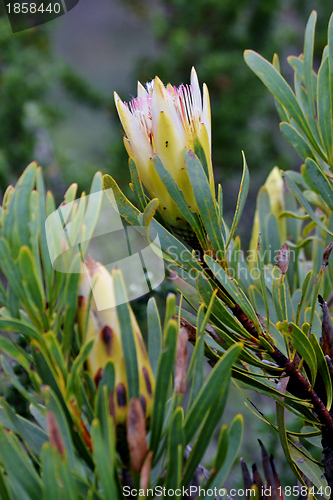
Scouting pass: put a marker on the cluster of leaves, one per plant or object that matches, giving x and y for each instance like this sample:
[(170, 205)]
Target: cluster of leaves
[(70, 446), (272, 309), (257, 323)]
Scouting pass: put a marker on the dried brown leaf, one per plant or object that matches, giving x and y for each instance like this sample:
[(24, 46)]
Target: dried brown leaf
[(136, 434), (326, 339), (145, 472), (283, 258)]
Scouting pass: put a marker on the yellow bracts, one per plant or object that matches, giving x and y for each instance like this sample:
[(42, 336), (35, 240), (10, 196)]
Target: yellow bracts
[(163, 121), (104, 327)]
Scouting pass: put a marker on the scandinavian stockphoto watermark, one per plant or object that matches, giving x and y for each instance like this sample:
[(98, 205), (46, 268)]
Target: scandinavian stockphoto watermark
[(23, 14), (93, 226)]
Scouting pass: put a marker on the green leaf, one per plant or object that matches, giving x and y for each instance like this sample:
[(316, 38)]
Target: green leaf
[(281, 426), (69, 295), (74, 376), (322, 368), (273, 240), (305, 286), (308, 65), (164, 372), (19, 233), (200, 153), (5, 493), (15, 352), (173, 248), (321, 182), (104, 466), (279, 294), (297, 141), (235, 436), (309, 469), (242, 195), (178, 197), (31, 283), (236, 293), (208, 427), (148, 214), (154, 333), (324, 108), (301, 198), (207, 394), (127, 335), (137, 185), (302, 345), (196, 368), (204, 199), (175, 451), (33, 436), (330, 67), (18, 465), (53, 405), (15, 380), (281, 91), (219, 310), (46, 261), (260, 262), (52, 489)]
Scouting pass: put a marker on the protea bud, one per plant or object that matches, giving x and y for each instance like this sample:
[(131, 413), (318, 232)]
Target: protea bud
[(275, 188), (163, 121), (104, 327)]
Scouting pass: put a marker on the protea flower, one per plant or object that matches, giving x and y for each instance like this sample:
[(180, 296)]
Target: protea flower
[(163, 121), (104, 327)]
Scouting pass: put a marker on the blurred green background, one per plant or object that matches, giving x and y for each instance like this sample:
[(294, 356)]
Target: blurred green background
[(56, 102)]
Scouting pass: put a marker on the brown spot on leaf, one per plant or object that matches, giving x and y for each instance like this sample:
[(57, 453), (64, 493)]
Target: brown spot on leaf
[(98, 377), (121, 395), (147, 380), (81, 301), (290, 328), (107, 334), (143, 404)]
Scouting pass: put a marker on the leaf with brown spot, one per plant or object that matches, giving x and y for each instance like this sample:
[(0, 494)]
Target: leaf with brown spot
[(283, 258), (326, 255), (54, 434), (181, 362), (136, 434)]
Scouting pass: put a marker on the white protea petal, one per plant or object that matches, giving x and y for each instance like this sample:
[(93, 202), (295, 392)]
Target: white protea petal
[(136, 135), (141, 91), (206, 116), (196, 95)]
